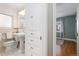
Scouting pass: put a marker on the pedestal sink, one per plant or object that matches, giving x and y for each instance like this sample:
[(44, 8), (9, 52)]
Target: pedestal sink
[(20, 37)]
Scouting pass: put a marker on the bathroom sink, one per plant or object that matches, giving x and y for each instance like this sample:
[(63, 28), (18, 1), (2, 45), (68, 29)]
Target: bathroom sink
[(20, 37), (19, 34)]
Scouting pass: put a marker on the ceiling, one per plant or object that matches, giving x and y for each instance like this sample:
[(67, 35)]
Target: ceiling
[(13, 6), (65, 9)]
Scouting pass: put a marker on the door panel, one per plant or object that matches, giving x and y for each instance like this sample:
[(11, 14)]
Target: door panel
[(34, 29)]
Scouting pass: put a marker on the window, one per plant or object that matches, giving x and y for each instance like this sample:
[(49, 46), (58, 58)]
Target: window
[(5, 21)]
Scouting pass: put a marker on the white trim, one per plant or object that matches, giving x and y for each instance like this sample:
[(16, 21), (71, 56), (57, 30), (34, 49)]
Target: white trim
[(70, 39), (54, 29), (74, 40)]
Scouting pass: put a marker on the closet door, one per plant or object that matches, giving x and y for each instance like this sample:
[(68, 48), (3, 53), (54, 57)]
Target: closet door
[(34, 29), (34, 38)]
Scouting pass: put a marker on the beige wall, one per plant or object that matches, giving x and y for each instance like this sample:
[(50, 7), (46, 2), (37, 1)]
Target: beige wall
[(50, 29), (13, 14)]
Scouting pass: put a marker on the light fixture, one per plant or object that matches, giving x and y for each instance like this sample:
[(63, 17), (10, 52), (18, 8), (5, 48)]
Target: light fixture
[(22, 12)]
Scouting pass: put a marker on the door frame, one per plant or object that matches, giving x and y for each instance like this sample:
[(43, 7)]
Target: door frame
[(51, 29), (54, 29)]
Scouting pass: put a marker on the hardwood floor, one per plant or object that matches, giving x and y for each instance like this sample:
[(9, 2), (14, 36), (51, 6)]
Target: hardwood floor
[(67, 49)]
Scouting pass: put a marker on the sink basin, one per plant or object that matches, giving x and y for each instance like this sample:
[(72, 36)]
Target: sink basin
[(19, 33), (19, 36)]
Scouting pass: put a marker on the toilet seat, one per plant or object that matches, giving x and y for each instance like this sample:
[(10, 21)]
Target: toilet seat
[(10, 45)]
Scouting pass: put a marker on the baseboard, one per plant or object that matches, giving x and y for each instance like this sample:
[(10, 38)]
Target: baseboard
[(70, 39)]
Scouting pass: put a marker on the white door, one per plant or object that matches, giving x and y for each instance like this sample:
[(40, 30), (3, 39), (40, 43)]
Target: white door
[(34, 37), (34, 30)]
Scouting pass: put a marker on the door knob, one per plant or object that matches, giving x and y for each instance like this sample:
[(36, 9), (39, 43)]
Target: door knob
[(40, 37)]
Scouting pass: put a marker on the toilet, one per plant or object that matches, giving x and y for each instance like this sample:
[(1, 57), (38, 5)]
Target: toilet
[(9, 43), (10, 46)]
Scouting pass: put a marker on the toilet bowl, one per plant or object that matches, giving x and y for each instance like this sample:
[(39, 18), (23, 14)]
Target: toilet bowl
[(10, 45)]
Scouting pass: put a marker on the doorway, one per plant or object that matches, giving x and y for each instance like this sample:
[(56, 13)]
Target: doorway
[(66, 29)]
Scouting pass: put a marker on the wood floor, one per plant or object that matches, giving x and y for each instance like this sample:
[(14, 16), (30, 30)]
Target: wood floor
[(68, 49)]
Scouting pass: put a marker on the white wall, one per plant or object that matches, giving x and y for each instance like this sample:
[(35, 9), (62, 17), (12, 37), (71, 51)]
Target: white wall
[(65, 9)]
